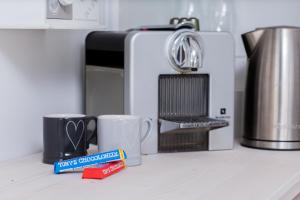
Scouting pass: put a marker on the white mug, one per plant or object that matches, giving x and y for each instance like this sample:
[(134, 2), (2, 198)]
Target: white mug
[(123, 131)]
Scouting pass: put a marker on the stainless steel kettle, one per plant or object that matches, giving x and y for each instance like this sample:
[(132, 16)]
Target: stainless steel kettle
[(272, 112)]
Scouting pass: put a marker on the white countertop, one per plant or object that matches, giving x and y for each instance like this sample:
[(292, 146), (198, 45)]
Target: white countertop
[(241, 173)]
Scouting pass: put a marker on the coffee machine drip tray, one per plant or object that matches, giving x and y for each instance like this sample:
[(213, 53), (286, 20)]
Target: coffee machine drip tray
[(204, 123)]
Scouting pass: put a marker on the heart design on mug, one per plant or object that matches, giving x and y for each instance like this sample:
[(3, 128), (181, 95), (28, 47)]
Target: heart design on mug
[(73, 124)]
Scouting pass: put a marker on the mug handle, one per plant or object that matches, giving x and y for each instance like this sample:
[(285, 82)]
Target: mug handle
[(150, 126), (91, 135)]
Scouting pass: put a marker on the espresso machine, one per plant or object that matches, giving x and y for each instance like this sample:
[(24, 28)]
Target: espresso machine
[(181, 78)]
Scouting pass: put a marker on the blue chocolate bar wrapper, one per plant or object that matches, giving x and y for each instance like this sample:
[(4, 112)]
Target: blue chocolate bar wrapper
[(84, 161)]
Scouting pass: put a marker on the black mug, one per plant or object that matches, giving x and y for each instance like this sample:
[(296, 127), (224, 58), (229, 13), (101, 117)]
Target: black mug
[(67, 136)]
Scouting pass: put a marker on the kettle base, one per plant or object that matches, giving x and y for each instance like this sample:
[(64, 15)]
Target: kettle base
[(271, 145)]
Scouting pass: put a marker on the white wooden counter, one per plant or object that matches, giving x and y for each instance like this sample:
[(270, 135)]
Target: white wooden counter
[(241, 173)]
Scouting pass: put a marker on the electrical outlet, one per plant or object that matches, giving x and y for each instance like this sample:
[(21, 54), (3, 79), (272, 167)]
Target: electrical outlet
[(55, 10)]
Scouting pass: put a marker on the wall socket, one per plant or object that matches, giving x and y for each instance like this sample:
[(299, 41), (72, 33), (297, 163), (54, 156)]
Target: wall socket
[(57, 11)]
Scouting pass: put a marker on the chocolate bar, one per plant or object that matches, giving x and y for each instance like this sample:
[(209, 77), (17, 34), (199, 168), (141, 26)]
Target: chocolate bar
[(103, 171), (85, 161)]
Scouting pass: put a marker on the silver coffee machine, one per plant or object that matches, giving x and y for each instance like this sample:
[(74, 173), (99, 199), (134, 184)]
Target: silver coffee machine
[(181, 78)]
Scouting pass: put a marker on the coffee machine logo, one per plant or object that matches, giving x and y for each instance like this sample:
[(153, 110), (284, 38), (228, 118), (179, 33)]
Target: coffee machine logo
[(185, 51)]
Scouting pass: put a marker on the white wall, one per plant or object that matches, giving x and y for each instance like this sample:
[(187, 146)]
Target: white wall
[(145, 12), (40, 73), (246, 16)]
